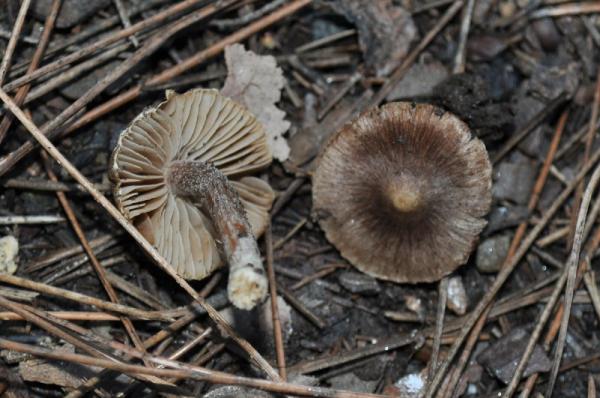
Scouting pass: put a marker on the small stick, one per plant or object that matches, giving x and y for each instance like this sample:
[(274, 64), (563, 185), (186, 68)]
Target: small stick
[(100, 271), (466, 354), (529, 127), (83, 299), (12, 43), (292, 232), (516, 251), (439, 327), (586, 155), (51, 128), (327, 361), (88, 50), (35, 62), (287, 195), (181, 370), (46, 185), (399, 73), (124, 16), (461, 54), (591, 386), (251, 16), (319, 274), (589, 279), (277, 334), (324, 41), (114, 212), (567, 277), (25, 39), (8, 161), (12, 220), (300, 307), (60, 254), (338, 95), (86, 316), (566, 9), (73, 72)]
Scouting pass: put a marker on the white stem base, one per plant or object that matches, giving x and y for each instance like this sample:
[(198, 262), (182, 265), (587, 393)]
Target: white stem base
[(248, 284)]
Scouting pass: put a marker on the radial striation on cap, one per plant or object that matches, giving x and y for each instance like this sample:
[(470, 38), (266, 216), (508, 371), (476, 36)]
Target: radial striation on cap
[(199, 125), (402, 190)]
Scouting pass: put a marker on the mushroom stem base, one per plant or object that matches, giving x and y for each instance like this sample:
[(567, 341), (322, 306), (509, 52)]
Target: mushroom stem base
[(206, 186)]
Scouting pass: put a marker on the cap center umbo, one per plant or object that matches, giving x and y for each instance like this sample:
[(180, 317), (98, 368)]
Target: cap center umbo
[(405, 194)]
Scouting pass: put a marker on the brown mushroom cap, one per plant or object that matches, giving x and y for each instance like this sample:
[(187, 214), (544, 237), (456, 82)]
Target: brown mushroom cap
[(199, 125), (401, 191)]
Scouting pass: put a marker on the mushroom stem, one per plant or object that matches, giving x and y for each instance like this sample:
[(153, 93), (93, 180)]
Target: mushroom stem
[(209, 189)]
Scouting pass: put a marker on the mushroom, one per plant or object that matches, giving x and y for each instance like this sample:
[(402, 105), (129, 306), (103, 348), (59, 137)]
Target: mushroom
[(181, 176), (402, 190)]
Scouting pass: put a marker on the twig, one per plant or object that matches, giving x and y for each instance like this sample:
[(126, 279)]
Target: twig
[(88, 50), (517, 238), (459, 59), (439, 327), (46, 185), (35, 61), (338, 95), (529, 127), (399, 73), (51, 129), (49, 219), (571, 269), (45, 322), (325, 40), (566, 9), (289, 235), (285, 197), (112, 210), (301, 308), (60, 254), (25, 39), (12, 43), (319, 274), (166, 75), (277, 335), (586, 154), (590, 283), (328, 361), (251, 16), (506, 270), (182, 370), (124, 16), (84, 299), (100, 271), (86, 316), (73, 72), (466, 354)]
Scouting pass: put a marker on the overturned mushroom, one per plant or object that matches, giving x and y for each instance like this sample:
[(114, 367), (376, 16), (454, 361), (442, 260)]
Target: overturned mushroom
[(180, 172), (402, 190)]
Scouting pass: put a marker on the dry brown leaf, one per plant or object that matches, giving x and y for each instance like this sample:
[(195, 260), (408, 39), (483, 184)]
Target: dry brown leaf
[(255, 81)]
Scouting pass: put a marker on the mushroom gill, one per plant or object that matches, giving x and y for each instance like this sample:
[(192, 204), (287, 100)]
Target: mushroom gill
[(181, 167)]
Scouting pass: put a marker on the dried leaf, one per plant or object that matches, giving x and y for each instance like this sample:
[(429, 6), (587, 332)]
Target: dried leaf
[(255, 81)]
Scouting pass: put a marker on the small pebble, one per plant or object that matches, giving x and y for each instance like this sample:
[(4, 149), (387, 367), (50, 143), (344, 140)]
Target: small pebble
[(513, 181), (491, 253), (359, 283), (9, 249), (457, 296)]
